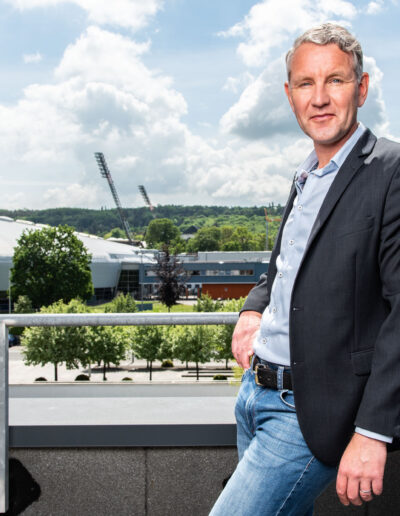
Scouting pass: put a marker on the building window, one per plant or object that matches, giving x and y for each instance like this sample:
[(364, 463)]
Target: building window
[(242, 272), (129, 282), (104, 294)]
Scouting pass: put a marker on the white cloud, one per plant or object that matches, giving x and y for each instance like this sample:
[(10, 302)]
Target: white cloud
[(237, 84), (103, 98), (74, 195), (375, 7), (32, 58), (132, 14), (262, 109), (271, 23), (373, 113)]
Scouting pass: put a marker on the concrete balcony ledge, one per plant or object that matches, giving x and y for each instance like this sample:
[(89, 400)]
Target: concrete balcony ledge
[(151, 450), (122, 415)]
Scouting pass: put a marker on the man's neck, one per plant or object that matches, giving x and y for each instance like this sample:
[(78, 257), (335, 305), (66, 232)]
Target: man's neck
[(325, 152)]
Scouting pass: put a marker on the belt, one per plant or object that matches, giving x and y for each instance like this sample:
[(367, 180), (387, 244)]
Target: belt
[(265, 376)]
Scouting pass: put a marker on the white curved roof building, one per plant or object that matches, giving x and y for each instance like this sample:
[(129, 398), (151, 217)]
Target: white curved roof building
[(115, 267)]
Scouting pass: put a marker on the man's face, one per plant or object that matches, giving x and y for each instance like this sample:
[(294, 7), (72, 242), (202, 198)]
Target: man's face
[(324, 93)]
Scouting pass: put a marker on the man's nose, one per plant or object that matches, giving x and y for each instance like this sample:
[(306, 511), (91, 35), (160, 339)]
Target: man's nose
[(320, 95)]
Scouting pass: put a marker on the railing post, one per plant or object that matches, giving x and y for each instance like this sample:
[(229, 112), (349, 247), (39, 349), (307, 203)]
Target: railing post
[(3, 418)]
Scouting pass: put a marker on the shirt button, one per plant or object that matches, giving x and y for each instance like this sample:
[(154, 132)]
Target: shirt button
[(274, 309), (299, 207), (280, 274), (264, 341), (291, 242)]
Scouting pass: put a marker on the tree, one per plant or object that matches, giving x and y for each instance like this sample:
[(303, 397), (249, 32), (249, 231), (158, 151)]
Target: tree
[(193, 344), (22, 305), (205, 303), (107, 344), (147, 344), (121, 304), (116, 233), (55, 345), (171, 276), (161, 231), (206, 239), (51, 264)]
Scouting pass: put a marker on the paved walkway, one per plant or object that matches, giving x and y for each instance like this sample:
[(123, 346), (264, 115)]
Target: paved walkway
[(19, 373)]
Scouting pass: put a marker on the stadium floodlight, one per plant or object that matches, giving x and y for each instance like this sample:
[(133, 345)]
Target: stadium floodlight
[(146, 199), (105, 172)]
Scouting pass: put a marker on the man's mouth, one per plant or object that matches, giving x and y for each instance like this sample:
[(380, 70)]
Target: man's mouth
[(322, 117)]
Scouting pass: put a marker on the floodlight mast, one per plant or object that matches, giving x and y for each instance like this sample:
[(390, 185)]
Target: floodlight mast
[(146, 199), (105, 172)]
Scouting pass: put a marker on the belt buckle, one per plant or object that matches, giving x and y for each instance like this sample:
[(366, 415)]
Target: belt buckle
[(256, 373)]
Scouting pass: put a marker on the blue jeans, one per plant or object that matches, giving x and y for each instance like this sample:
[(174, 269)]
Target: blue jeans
[(276, 473)]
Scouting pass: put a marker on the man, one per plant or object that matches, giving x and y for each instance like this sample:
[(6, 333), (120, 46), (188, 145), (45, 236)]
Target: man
[(321, 396)]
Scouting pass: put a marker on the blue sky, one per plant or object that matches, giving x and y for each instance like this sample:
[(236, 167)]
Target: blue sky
[(185, 97)]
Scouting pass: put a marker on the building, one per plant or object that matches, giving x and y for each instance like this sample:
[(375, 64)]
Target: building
[(222, 275), (115, 267)]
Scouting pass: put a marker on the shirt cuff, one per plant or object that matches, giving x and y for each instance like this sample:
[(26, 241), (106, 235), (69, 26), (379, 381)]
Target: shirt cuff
[(374, 435)]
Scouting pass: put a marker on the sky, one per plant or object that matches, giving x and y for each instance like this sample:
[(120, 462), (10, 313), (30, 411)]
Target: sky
[(183, 96)]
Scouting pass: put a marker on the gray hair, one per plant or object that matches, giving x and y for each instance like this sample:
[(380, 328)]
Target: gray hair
[(324, 35)]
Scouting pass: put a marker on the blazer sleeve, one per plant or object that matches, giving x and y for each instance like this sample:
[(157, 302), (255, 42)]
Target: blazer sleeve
[(258, 298), (379, 410)]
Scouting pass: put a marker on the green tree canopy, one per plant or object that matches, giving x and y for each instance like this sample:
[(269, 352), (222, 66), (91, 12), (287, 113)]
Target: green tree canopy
[(206, 239), (121, 304), (51, 264), (107, 344), (161, 231), (194, 344), (147, 343), (205, 303), (54, 345), (115, 233)]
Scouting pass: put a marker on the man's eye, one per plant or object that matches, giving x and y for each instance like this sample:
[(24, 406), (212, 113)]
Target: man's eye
[(304, 84), (336, 80)]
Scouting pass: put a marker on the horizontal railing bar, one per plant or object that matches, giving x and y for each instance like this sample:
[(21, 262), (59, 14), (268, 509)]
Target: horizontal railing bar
[(125, 319)]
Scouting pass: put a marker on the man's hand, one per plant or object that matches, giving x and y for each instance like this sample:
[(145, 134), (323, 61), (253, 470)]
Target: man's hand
[(361, 469), (243, 337)]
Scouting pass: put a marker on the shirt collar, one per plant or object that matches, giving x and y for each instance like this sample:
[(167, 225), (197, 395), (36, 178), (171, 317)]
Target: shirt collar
[(338, 159)]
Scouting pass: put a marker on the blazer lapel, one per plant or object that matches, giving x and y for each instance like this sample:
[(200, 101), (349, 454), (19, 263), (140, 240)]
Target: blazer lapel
[(344, 176)]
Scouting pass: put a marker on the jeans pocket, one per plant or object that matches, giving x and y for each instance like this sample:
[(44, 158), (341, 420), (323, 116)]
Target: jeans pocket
[(287, 397), (245, 374)]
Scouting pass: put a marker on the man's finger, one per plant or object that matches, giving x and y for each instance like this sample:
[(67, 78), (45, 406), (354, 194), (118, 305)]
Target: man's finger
[(246, 359), (341, 488), (353, 491), (366, 490), (377, 486)]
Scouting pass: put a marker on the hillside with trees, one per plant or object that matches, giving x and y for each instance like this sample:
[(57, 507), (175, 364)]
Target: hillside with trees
[(100, 222)]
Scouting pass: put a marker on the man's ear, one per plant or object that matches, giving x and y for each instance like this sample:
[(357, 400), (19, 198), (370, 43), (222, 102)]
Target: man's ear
[(363, 89), (289, 96)]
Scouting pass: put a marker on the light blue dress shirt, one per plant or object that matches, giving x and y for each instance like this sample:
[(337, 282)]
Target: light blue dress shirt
[(272, 340)]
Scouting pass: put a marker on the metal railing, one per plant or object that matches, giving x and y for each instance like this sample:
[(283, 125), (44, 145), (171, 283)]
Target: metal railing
[(10, 320)]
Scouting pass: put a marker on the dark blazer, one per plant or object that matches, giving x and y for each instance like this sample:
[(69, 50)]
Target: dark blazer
[(345, 308)]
